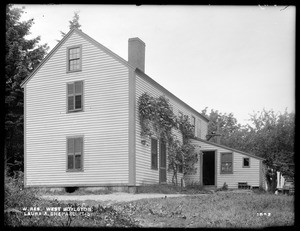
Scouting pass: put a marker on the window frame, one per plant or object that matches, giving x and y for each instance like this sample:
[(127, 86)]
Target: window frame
[(153, 154), (68, 58), (74, 95), (226, 172), (81, 169), (244, 166)]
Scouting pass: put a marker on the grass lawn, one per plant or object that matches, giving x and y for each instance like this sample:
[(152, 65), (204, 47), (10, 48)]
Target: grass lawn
[(199, 208), (214, 210)]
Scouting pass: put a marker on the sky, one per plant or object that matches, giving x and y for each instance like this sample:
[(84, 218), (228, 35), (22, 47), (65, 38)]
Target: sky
[(234, 59)]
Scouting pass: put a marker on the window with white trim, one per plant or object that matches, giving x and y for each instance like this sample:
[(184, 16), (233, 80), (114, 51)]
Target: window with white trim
[(75, 96), (246, 162), (75, 154), (226, 163), (74, 58)]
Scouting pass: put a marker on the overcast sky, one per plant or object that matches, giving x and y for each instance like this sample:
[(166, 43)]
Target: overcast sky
[(237, 59)]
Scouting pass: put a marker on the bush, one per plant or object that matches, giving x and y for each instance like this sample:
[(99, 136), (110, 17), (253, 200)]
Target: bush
[(224, 187), (16, 198), (15, 194)]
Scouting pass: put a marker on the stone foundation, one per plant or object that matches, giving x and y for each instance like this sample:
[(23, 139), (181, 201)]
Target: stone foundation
[(100, 189)]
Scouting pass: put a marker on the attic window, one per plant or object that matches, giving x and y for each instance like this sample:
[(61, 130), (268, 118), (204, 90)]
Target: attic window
[(74, 58)]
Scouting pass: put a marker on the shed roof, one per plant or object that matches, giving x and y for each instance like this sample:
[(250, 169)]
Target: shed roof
[(231, 149)]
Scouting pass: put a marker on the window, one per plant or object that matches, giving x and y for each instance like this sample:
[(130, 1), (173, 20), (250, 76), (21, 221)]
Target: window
[(246, 162), (154, 153), (75, 96), (226, 163), (194, 124), (74, 58), (74, 154)]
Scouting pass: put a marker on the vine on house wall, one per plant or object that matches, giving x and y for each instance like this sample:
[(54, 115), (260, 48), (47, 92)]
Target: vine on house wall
[(157, 118)]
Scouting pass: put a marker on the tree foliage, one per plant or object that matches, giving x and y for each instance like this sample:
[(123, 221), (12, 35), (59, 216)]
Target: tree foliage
[(270, 135), (157, 118), (74, 23), (21, 57)]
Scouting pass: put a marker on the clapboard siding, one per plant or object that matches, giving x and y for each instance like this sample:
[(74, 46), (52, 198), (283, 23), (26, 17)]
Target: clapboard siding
[(144, 173), (240, 174), (103, 123)]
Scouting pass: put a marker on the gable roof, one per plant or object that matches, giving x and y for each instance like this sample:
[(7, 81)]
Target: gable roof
[(225, 147), (105, 49), (109, 52)]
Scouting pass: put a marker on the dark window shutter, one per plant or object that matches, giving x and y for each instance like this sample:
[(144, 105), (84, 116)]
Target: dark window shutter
[(78, 87), (154, 153), (71, 146), (70, 161), (70, 89), (77, 161), (70, 103), (78, 144), (163, 156)]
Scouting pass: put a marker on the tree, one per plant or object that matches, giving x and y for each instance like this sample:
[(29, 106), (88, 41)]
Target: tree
[(74, 23), (21, 58), (223, 128), (270, 136)]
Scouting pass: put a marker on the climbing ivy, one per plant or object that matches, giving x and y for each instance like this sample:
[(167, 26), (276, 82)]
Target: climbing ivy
[(157, 118)]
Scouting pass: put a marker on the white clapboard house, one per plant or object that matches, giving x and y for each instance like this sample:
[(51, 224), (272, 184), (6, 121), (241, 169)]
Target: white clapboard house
[(81, 124)]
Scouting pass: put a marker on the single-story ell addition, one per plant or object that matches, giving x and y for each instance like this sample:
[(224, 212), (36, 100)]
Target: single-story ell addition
[(81, 124)]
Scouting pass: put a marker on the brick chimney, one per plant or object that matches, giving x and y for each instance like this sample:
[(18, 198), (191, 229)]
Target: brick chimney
[(136, 53)]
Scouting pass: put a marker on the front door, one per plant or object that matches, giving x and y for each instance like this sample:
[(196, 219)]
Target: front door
[(208, 167), (162, 162)]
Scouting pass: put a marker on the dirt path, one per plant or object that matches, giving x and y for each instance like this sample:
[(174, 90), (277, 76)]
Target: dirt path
[(114, 197)]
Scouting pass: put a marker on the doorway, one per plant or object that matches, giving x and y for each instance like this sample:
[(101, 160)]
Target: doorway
[(208, 167)]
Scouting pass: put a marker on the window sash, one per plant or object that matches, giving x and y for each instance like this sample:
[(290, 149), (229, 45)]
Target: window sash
[(74, 153), (75, 96), (74, 58), (226, 163)]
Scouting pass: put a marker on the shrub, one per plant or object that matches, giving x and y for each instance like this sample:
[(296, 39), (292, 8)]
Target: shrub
[(16, 198), (15, 194), (223, 188)]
